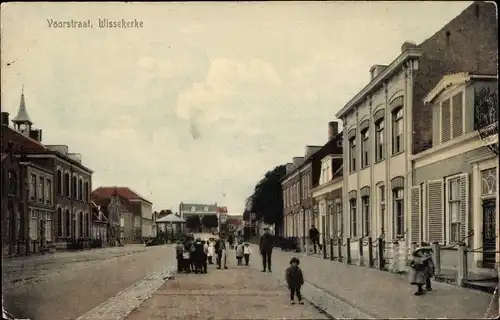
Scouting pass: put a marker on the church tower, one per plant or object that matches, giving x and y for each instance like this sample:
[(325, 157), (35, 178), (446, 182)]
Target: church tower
[(23, 123)]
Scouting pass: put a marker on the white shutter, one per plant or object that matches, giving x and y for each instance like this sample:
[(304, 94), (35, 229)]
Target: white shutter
[(435, 211), (445, 120), (415, 214), (464, 206)]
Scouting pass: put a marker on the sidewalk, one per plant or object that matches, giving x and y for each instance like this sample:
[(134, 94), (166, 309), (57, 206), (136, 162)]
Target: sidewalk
[(236, 293), (382, 294)]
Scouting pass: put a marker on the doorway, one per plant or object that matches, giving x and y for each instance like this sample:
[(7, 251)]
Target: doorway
[(489, 233)]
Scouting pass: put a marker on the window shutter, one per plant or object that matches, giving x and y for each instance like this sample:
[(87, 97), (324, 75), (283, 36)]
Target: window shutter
[(464, 206), (457, 115), (435, 211), (415, 213), (445, 120)]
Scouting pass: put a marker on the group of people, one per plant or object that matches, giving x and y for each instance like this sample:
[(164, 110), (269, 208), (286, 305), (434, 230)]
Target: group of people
[(194, 255)]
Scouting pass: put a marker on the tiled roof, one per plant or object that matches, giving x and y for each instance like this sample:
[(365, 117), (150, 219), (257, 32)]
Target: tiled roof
[(186, 207), (124, 192), (21, 142)]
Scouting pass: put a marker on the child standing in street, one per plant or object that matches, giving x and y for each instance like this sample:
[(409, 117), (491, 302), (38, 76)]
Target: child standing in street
[(295, 280), (211, 251), (239, 253), (247, 252), (421, 269)]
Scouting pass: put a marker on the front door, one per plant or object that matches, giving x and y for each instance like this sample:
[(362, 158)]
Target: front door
[(489, 233)]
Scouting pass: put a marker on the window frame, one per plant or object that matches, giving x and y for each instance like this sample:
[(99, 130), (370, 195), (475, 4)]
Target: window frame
[(365, 148), (398, 217), (67, 184), (396, 118), (48, 191), (60, 179), (352, 155), (452, 235), (353, 219), (379, 145)]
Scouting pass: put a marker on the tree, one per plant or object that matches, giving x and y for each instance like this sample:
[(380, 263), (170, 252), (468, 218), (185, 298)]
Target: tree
[(267, 199), (210, 221), (193, 222)]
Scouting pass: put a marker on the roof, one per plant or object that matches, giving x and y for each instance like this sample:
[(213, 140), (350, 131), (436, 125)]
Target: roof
[(21, 142), (186, 207), (22, 114), (24, 144), (124, 192), (321, 151), (171, 218), (103, 202), (453, 80)]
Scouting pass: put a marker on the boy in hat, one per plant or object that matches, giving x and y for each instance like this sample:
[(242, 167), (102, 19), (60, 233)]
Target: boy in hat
[(295, 280)]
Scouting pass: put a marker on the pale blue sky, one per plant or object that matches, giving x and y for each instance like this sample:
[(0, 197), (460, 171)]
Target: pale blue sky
[(256, 81)]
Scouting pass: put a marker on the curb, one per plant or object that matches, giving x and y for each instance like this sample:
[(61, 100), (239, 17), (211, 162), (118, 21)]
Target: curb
[(120, 306)]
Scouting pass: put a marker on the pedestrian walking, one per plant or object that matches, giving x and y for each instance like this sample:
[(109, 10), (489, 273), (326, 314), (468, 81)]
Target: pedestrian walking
[(295, 280), (204, 266), (421, 269), (314, 236), (179, 249), (239, 253), (266, 249), (211, 251), (198, 256), (246, 253), (220, 249)]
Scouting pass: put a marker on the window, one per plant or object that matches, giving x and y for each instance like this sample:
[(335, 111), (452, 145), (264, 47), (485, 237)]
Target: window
[(399, 223), (452, 117), (59, 182), (354, 218), (48, 192), (80, 189), (397, 131), (82, 224), (76, 231), (379, 140), (74, 187), (48, 227), (365, 145), (352, 155), (366, 215), (60, 221), (382, 208), (87, 191), (41, 189), (338, 209), (33, 225), (33, 187), (87, 225), (137, 221), (454, 209), (66, 184), (67, 216), (12, 181)]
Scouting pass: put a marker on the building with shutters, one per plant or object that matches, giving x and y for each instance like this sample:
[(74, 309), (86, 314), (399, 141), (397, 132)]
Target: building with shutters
[(455, 182), (387, 122)]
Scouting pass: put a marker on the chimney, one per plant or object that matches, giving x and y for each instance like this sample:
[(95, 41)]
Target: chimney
[(408, 45), (289, 167), (36, 134), (5, 119), (310, 150), (297, 161), (333, 129)]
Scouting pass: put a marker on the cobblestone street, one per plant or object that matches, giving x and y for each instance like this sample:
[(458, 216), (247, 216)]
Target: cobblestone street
[(237, 293), (66, 285)]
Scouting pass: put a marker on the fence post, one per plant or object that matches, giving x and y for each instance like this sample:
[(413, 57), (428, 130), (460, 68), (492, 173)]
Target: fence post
[(323, 247), (339, 249), (462, 264), (361, 261), (370, 252), (436, 249), (348, 253), (381, 259), (331, 248)]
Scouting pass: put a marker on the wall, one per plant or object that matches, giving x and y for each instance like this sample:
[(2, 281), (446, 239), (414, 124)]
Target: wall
[(147, 210), (471, 46)]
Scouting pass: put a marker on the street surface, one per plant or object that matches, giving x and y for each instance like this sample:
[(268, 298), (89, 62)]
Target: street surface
[(66, 285), (239, 292)]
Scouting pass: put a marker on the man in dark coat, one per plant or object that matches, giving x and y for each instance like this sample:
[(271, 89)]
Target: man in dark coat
[(314, 236), (198, 256), (220, 250), (266, 249)]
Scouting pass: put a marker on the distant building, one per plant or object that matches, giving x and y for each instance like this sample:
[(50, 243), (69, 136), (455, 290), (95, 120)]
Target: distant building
[(187, 210)]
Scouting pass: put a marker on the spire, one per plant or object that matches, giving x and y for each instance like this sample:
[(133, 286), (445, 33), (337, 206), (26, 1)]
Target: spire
[(22, 115)]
